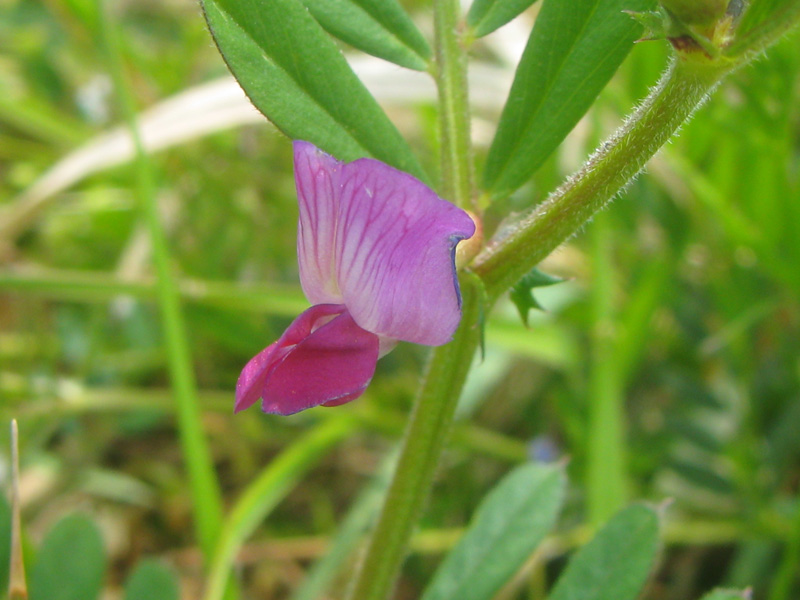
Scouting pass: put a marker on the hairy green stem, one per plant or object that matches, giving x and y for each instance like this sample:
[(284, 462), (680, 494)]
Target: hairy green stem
[(451, 80), (682, 88), (204, 487), (436, 402), (426, 433), (606, 491)]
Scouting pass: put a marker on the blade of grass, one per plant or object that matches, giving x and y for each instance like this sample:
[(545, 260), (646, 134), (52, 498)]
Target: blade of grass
[(349, 533), (266, 491), (17, 587), (89, 286), (546, 342), (786, 574), (203, 483)]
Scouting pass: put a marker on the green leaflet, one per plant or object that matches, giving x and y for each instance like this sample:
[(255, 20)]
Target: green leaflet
[(573, 51), (71, 562), (756, 12), (508, 526), (760, 21), (151, 580), (294, 74), (379, 27), (487, 15), (616, 563)]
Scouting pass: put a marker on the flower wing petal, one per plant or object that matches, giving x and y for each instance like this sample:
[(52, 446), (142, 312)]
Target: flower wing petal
[(395, 253), (331, 365)]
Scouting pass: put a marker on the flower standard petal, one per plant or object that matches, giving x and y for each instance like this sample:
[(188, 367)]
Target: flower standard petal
[(380, 241), (331, 366), (395, 254)]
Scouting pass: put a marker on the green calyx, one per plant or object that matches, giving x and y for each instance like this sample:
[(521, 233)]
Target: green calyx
[(700, 13), (695, 28)]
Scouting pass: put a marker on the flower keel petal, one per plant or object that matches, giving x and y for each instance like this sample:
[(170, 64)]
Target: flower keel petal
[(331, 366), (251, 382)]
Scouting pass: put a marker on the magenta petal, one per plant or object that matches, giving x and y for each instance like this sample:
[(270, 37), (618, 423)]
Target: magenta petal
[(322, 358), (331, 366), (394, 239), (251, 380), (250, 385)]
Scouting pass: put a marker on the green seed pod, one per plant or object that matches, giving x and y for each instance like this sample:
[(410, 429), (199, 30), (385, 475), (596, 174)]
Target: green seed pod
[(696, 12)]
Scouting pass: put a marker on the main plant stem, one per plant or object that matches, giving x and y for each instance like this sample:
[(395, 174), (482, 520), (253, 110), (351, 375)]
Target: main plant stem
[(436, 402), (682, 88), (426, 433), (451, 80)]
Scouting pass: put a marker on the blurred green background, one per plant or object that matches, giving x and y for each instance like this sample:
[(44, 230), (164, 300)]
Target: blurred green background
[(674, 342)]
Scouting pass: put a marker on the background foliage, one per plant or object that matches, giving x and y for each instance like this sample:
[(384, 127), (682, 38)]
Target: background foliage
[(681, 312)]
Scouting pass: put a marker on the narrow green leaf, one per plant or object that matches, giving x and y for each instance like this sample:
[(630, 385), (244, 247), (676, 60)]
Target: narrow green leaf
[(71, 562), (728, 595), (350, 532), (17, 582), (266, 491), (759, 11), (522, 293), (763, 23), (379, 27), (573, 51), (294, 74), (507, 528), (487, 15), (152, 580), (616, 563)]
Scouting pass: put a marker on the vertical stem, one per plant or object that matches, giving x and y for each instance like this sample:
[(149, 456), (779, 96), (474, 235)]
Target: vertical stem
[(605, 481), (454, 116), (203, 485), (426, 433), (435, 405)]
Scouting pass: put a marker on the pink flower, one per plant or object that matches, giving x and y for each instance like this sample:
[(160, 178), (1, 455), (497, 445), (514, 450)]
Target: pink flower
[(376, 249)]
